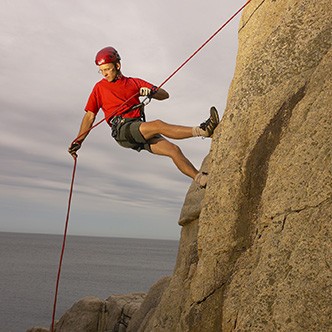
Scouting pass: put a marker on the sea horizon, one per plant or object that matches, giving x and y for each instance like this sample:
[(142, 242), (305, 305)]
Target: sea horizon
[(92, 266), (94, 235)]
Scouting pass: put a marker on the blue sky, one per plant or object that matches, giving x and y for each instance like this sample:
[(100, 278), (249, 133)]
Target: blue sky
[(47, 72)]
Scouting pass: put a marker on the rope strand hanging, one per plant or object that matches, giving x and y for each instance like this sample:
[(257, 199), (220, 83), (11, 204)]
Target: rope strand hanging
[(97, 124)]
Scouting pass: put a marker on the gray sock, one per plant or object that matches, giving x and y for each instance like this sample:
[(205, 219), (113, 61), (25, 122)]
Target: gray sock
[(201, 179), (197, 131)]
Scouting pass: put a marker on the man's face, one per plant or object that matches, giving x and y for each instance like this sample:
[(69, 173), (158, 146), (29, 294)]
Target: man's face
[(109, 71)]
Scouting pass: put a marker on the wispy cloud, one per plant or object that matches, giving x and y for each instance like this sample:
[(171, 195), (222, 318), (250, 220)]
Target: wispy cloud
[(47, 72)]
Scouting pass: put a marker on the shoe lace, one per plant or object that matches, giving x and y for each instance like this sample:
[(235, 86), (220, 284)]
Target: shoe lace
[(205, 124)]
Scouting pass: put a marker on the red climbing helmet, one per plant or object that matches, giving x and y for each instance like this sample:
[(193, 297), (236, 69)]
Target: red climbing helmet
[(107, 55)]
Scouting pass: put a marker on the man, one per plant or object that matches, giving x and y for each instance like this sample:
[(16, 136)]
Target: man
[(118, 97)]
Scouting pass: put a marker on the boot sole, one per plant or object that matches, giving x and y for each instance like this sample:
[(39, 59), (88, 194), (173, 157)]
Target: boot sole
[(215, 118), (214, 114)]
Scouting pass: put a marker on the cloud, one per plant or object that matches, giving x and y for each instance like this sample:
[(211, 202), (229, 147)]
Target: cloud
[(47, 73)]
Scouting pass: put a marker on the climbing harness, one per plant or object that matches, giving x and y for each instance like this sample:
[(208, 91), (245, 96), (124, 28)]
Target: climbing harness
[(125, 129), (119, 119), (145, 102)]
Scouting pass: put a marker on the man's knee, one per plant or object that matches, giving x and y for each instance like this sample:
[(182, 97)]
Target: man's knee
[(151, 128), (174, 150), (157, 124)]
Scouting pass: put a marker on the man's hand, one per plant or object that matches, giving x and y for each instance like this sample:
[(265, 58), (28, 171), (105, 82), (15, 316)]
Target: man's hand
[(74, 147), (144, 91)]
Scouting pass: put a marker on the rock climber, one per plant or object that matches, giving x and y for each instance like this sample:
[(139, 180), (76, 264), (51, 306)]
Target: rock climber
[(118, 97)]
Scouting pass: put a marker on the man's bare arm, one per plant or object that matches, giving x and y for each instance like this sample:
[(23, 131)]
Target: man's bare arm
[(160, 94), (86, 125)]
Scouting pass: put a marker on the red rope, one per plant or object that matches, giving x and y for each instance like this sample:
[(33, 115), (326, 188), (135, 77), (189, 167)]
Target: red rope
[(63, 243), (98, 123), (106, 118), (204, 44)]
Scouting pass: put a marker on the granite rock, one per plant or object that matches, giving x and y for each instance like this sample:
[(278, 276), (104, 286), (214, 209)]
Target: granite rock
[(255, 252), (38, 329), (257, 256)]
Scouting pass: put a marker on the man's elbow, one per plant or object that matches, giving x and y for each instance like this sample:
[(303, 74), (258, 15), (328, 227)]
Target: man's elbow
[(90, 116), (161, 94)]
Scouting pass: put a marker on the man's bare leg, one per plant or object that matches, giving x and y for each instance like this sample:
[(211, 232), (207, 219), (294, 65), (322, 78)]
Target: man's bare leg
[(163, 147), (205, 129), (152, 128)]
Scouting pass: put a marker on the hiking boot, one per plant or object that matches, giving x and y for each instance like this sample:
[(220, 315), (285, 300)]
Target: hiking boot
[(201, 179), (207, 128)]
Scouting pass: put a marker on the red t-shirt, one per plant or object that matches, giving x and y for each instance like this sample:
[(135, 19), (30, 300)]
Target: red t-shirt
[(109, 96)]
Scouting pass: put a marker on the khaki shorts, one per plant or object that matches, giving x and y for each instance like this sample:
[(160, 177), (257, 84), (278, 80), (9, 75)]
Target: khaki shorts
[(128, 135)]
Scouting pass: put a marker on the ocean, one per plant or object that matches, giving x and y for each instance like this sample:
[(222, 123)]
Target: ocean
[(92, 266)]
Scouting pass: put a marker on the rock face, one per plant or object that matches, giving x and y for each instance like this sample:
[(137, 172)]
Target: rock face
[(255, 252), (91, 314), (148, 307)]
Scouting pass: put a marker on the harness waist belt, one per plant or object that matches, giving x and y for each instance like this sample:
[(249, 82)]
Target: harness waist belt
[(115, 120)]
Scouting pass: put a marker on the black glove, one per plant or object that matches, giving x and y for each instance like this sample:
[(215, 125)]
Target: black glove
[(74, 147)]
